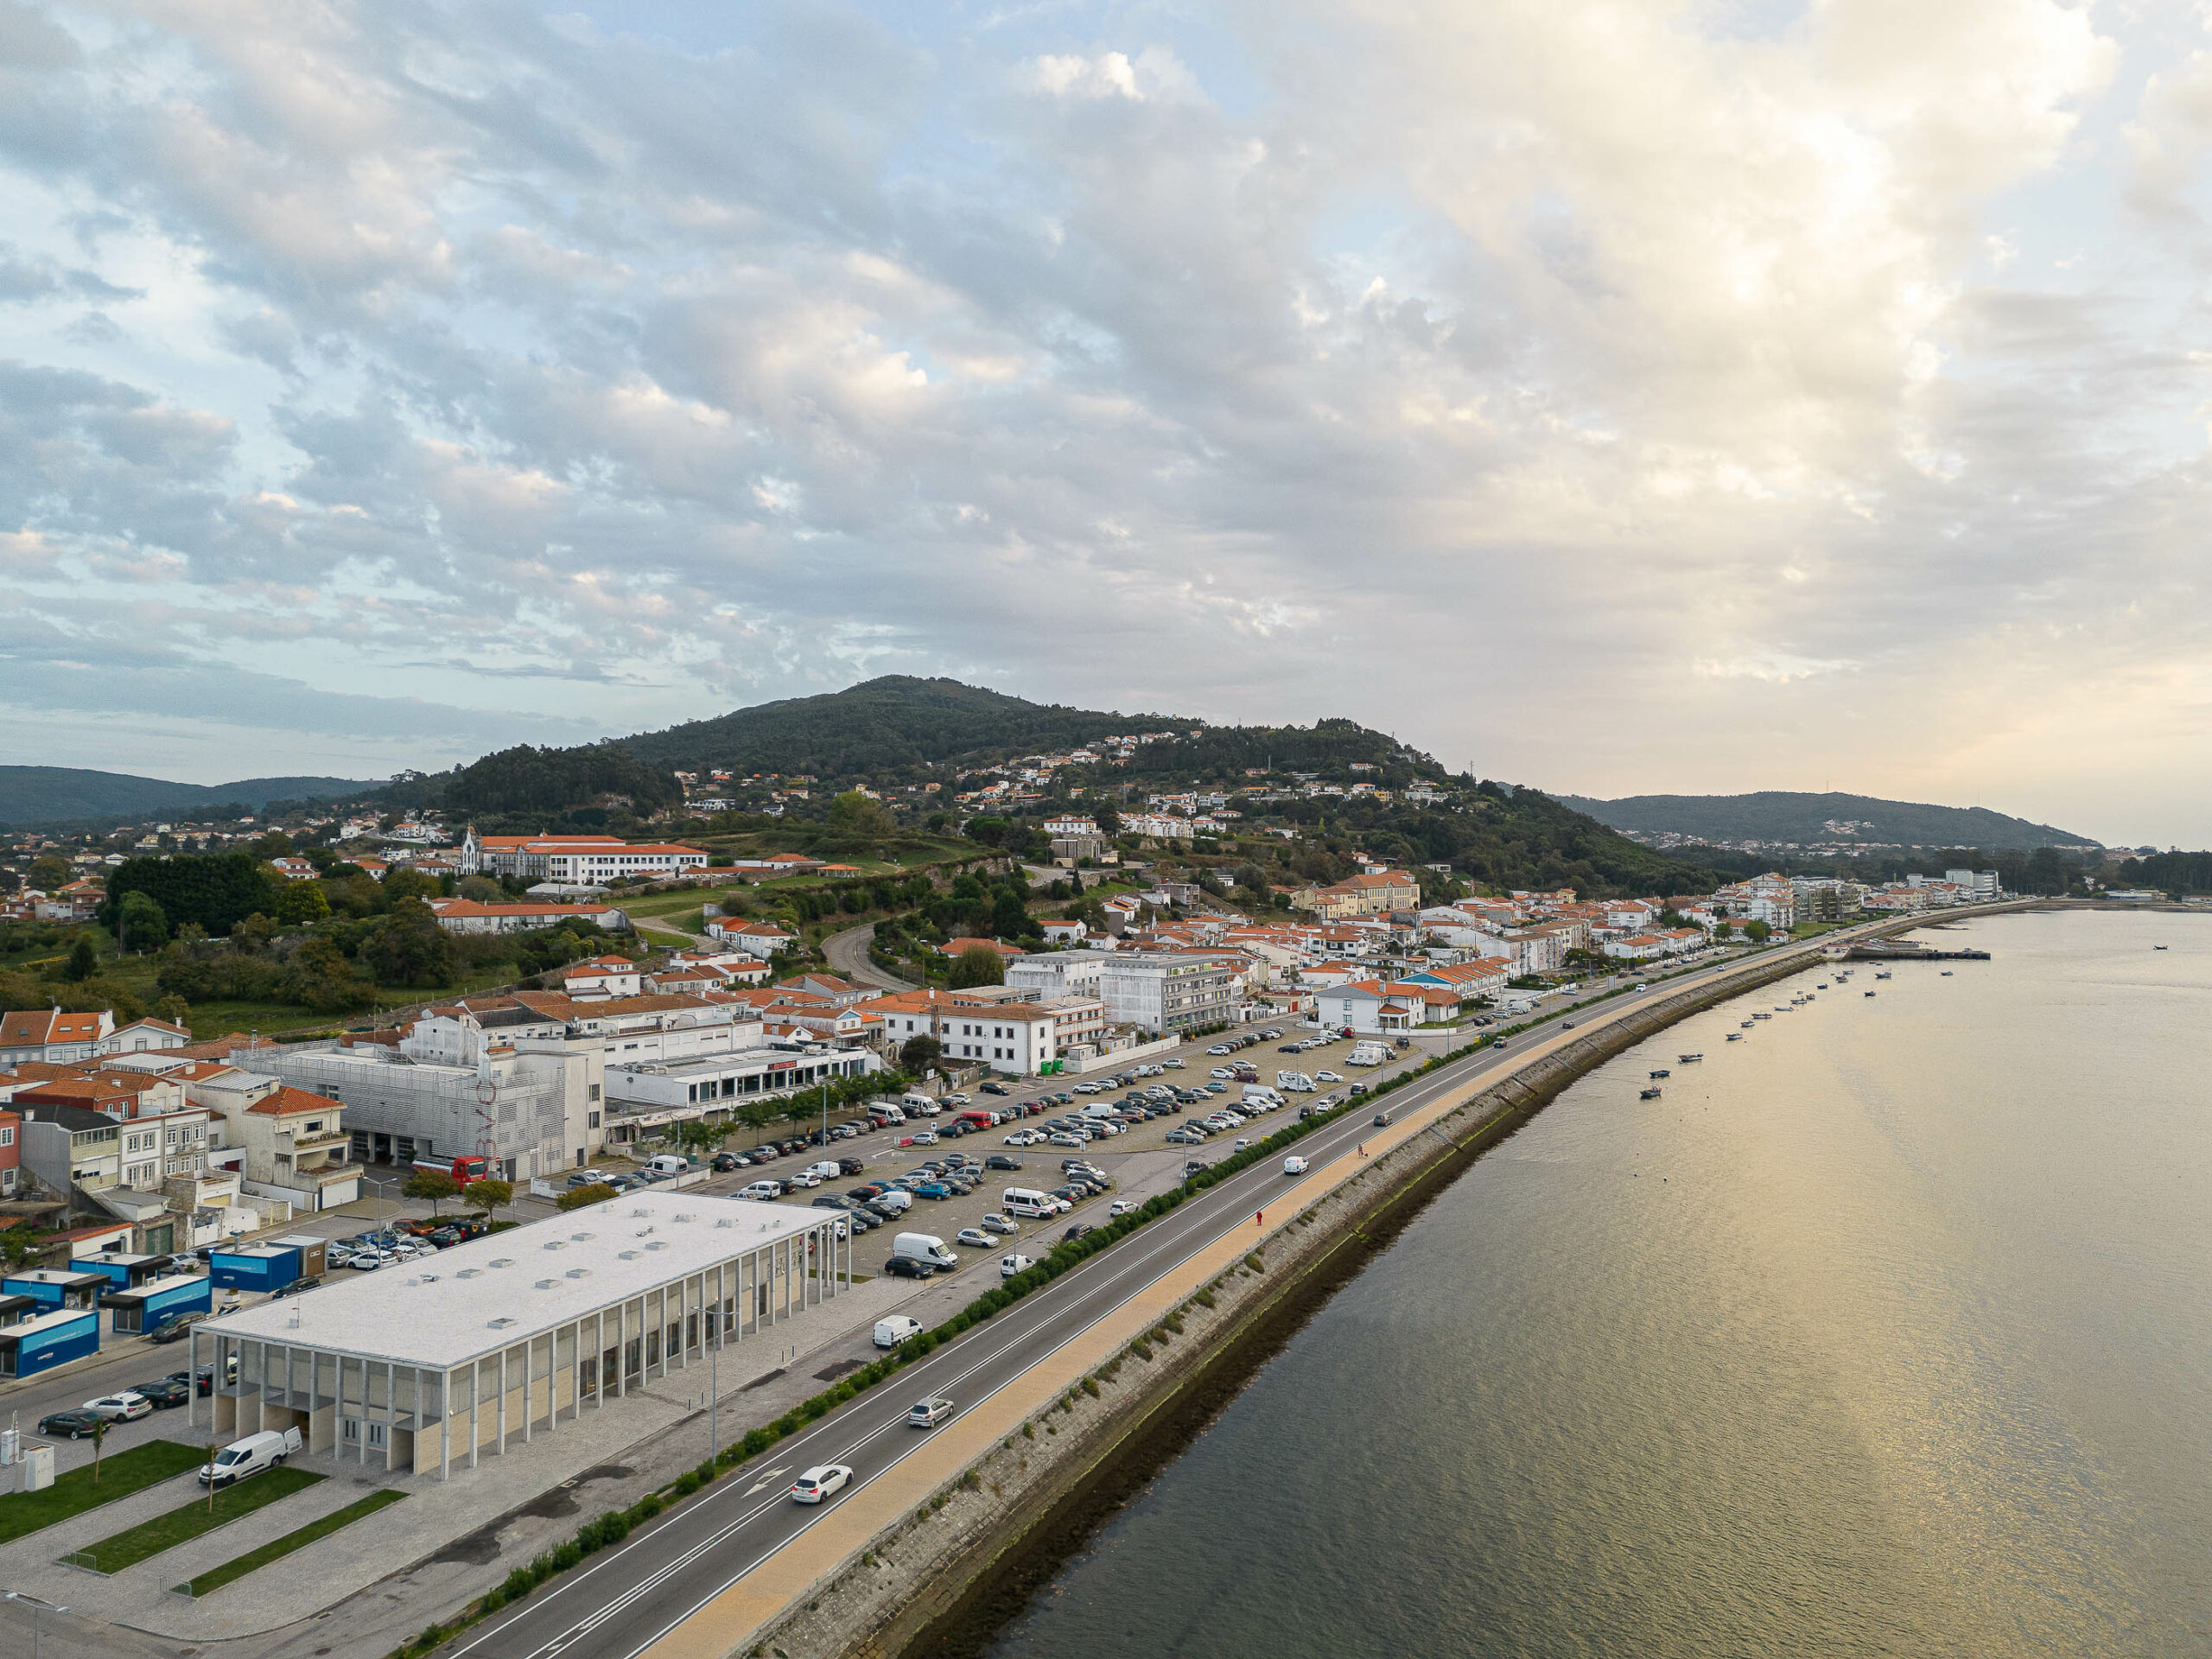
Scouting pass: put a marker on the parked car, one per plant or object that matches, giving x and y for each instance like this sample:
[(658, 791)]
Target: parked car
[(890, 1332), (928, 1413), (123, 1407), (1000, 1161), (726, 1162), (994, 1222), (1010, 1265), (976, 1237), (820, 1482), (763, 1191), (72, 1425), (1076, 1233), (174, 1327), (164, 1392), (904, 1267)]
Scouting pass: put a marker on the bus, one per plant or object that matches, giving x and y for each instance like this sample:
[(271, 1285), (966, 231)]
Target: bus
[(469, 1167)]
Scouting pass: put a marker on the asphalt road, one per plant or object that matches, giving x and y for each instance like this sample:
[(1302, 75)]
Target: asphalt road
[(847, 954), (629, 1596)]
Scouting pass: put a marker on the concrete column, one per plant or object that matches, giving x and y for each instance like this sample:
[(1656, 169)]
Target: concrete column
[(192, 1383), (530, 1405), (390, 1413), (500, 1413), (445, 1423), (414, 1434), (599, 1359), (475, 1369), (621, 1349)]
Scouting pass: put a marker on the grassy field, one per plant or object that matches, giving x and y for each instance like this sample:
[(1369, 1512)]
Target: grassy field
[(239, 1565), (121, 1474), (182, 1525)]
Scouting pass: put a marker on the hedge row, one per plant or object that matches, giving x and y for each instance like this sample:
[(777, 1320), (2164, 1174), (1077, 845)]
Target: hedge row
[(613, 1527)]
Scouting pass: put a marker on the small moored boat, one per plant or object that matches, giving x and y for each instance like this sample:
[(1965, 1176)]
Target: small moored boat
[(1735, 1036), (1688, 1059), (1662, 1072), (1648, 1094)]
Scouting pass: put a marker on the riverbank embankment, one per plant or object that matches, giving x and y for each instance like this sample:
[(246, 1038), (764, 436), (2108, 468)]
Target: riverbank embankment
[(1000, 1496)]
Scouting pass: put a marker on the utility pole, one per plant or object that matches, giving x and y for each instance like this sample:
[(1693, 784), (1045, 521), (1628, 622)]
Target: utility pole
[(36, 1607)]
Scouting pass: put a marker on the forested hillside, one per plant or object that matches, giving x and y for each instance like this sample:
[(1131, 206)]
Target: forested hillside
[(1806, 820), (881, 725), (55, 795)]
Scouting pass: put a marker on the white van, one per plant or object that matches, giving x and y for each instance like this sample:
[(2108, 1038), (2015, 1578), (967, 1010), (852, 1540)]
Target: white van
[(898, 1200), (920, 1103), (668, 1164), (763, 1191), (1293, 1164), (1294, 1082), (826, 1169), (1259, 1094), (249, 1456), (1010, 1265), (884, 1110), (1028, 1201), (924, 1247), (1367, 1054), (890, 1332)]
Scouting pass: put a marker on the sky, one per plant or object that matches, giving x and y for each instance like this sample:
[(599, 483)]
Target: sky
[(1615, 398)]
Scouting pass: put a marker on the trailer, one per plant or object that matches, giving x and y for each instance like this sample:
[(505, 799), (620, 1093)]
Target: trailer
[(254, 1267), (139, 1311), (49, 1340)]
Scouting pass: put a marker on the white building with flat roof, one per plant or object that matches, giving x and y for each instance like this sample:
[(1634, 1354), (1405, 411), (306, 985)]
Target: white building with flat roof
[(502, 1338)]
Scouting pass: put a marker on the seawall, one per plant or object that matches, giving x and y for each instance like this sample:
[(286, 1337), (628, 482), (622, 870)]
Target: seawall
[(1084, 1429)]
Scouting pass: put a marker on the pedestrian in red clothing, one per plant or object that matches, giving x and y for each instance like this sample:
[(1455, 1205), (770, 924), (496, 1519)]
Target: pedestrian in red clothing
[(1259, 1216)]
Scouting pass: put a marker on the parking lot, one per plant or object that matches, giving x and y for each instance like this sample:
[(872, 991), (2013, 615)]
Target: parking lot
[(1137, 1161)]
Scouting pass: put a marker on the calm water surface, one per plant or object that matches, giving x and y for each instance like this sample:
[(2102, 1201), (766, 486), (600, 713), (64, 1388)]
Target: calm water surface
[(1885, 1330)]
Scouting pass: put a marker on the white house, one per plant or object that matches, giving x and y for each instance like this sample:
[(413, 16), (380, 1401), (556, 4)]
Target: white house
[(759, 939)]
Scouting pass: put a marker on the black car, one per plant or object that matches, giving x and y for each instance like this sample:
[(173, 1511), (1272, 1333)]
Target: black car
[(1381, 1120), (1194, 1168), (301, 1286), (996, 1089), (1076, 1233), (831, 1201), (904, 1267), (1000, 1161), (173, 1328), (72, 1425), (725, 1162), (168, 1392), (850, 1165)]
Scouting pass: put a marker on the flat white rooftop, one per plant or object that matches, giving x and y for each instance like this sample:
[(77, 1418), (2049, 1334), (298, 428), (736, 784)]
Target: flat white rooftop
[(439, 1312)]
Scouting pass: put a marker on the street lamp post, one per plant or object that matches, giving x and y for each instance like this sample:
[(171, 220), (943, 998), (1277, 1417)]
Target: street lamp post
[(376, 1185), (36, 1607)]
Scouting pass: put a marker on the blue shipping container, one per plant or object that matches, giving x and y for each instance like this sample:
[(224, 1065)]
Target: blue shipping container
[(145, 1308), (55, 1288), (256, 1267), (50, 1339)]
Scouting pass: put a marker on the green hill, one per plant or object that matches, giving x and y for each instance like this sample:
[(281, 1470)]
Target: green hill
[(1810, 820), (882, 724), (32, 796)]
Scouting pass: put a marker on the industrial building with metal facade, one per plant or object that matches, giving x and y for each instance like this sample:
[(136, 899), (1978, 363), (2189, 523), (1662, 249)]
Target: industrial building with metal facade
[(515, 1334)]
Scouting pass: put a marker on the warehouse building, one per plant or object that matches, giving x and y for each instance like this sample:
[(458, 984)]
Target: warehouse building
[(518, 1333)]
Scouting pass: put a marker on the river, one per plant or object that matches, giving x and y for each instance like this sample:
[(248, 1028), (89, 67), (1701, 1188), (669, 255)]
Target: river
[(1885, 1330)]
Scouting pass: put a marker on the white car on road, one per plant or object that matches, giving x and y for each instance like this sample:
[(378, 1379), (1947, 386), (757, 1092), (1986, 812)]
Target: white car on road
[(125, 1407), (820, 1482)]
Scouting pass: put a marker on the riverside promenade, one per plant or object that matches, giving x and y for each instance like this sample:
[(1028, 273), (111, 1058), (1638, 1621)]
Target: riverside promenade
[(777, 1559)]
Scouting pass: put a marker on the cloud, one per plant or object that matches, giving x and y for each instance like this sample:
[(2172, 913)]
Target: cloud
[(1598, 395)]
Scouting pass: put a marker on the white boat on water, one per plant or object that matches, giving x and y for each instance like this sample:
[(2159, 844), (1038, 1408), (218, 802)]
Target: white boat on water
[(1736, 1036)]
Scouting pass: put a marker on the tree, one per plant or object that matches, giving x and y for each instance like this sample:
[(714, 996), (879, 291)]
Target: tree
[(856, 817), (1757, 931), (432, 1186), (489, 1195), (49, 872), (215, 891), (1723, 929), (299, 903), (83, 962), (977, 965), (409, 948), (1009, 917), (919, 1052), (323, 978), (141, 923), (409, 884), (577, 1197), (172, 1010), (99, 1439), (253, 932)]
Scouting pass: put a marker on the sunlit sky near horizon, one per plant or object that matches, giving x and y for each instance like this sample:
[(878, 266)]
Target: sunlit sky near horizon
[(1615, 398)]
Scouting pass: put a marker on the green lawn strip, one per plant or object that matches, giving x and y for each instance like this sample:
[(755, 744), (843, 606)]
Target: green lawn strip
[(239, 1565), (121, 1474), (180, 1526)]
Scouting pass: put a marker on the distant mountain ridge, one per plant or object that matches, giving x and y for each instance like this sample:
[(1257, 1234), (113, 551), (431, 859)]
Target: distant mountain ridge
[(34, 796), (1806, 819)]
